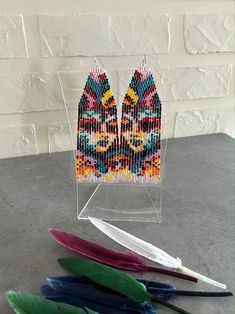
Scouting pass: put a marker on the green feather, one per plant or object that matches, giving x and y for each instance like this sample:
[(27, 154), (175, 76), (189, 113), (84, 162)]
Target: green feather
[(113, 279), (108, 277), (25, 303)]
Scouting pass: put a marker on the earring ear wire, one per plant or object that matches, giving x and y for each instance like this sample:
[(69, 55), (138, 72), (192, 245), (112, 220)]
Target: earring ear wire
[(144, 60), (98, 61)]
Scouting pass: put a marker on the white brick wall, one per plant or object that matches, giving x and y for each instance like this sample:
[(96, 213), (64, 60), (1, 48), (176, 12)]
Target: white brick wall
[(189, 45), (189, 123), (112, 35), (27, 92), (17, 140), (12, 37), (205, 33)]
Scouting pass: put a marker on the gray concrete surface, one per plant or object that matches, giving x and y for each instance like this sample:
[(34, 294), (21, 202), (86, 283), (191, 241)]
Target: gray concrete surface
[(38, 192)]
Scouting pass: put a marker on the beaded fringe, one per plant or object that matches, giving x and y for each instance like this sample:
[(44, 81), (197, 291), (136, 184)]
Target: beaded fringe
[(103, 156)]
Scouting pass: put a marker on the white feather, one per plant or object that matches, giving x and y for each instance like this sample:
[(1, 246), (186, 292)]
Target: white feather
[(148, 250), (135, 244)]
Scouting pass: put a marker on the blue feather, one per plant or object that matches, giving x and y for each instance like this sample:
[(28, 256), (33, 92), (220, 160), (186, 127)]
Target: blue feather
[(161, 290), (55, 296), (73, 288)]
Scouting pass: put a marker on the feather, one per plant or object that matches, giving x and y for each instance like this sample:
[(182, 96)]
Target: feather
[(84, 288), (76, 286), (108, 277), (166, 291), (113, 279), (92, 296), (56, 296), (148, 250), (25, 303), (123, 260)]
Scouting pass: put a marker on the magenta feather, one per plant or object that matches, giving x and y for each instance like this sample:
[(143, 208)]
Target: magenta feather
[(123, 260)]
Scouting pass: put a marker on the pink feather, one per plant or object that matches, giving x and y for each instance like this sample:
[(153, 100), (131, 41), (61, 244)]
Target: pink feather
[(123, 260)]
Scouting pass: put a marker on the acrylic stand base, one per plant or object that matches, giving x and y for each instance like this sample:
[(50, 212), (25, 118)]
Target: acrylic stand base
[(122, 202)]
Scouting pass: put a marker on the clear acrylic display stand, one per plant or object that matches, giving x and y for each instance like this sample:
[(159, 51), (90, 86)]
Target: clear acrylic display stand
[(117, 201)]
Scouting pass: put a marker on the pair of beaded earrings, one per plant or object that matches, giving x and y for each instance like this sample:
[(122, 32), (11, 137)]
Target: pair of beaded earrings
[(102, 154)]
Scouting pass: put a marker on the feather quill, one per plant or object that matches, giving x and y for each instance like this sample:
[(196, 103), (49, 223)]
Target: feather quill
[(129, 261), (167, 291), (82, 292), (148, 250), (114, 279), (25, 303)]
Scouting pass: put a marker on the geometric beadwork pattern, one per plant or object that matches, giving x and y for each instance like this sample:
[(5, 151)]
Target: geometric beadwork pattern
[(103, 156), (141, 128), (97, 137)]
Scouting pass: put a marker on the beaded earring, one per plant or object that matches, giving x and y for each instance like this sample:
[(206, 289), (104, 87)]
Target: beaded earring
[(97, 138), (141, 128), (101, 155)]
